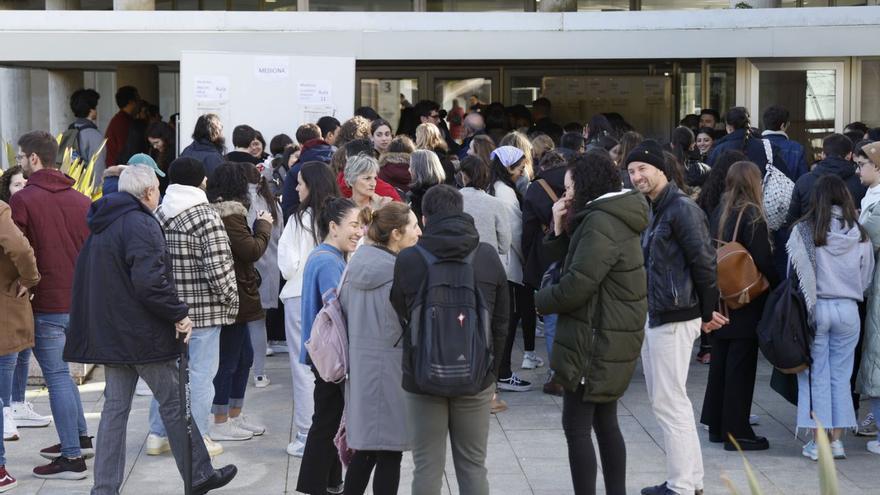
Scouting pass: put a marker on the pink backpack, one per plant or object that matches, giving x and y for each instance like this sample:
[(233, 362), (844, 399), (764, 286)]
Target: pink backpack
[(328, 343)]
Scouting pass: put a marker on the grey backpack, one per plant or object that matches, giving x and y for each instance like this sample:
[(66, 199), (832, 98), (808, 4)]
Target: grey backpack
[(449, 330)]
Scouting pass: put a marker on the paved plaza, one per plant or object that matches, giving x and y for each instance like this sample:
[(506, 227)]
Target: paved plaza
[(527, 453)]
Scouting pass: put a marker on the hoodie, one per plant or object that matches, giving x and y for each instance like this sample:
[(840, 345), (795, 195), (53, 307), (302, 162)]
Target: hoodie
[(125, 302), (53, 218), (803, 188), (452, 236), (840, 258)]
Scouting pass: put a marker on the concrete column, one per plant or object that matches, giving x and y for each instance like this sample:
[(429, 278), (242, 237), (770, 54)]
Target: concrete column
[(15, 115), (144, 77), (39, 102), (134, 4), (104, 82), (62, 84), (558, 5)]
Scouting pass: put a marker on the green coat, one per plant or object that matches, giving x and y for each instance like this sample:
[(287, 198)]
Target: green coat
[(601, 297)]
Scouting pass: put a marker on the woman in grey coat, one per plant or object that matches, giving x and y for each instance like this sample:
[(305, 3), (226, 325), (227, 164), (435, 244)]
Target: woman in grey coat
[(262, 199), (490, 219), (374, 399)]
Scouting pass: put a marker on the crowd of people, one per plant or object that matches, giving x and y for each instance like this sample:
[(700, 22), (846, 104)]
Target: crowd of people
[(439, 241)]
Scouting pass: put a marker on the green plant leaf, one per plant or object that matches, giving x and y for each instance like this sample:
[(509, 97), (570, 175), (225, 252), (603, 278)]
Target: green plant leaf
[(754, 487), (828, 484)]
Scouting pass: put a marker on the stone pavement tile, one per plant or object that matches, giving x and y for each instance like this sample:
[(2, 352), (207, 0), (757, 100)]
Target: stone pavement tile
[(541, 417), (548, 474), (806, 482), (536, 396), (501, 484), (546, 444)]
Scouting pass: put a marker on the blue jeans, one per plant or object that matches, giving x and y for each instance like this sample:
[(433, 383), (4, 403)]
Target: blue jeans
[(236, 358), (20, 377), (550, 333), (204, 358), (833, 351), (7, 365), (50, 332)]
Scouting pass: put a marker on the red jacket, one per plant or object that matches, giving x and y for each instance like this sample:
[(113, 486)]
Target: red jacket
[(53, 218), (382, 188), (117, 137)]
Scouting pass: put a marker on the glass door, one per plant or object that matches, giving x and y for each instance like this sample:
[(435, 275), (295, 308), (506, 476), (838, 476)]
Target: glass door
[(389, 93), (812, 92)]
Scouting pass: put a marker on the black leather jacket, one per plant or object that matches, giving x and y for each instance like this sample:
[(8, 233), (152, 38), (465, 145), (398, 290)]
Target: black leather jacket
[(680, 260)]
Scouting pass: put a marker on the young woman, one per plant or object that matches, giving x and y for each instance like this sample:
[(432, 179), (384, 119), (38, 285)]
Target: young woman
[(682, 145), (735, 346), (597, 127), (380, 130), (429, 137), (361, 172), (519, 140), (507, 167), (705, 141), (426, 172), (602, 304), (11, 182), (482, 146), (374, 401), (868, 382), (161, 138), (541, 144), (490, 219), (315, 185), (263, 199), (228, 193), (340, 230), (834, 260)]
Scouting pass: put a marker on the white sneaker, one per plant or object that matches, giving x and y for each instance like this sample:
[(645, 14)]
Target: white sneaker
[(811, 450), (297, 447), (837, 449), (25, 417), (142, 389), (754, 419), (531, 361), (278, 346), (269, 351), (10, 432), (874, 447), (228, 432), (246, 424), (262, 381), (157, 445), (868, 427), (214, 448)]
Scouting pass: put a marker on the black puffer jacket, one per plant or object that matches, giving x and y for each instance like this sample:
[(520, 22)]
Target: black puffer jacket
[(680, 260), (803, 188)]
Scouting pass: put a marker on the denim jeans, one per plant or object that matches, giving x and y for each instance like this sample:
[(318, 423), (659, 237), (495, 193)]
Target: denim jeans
[(7, 365), (204, 358), (50, 331), (257, 330), (20, 377), (833, 350), (550, 333), (236, 358)]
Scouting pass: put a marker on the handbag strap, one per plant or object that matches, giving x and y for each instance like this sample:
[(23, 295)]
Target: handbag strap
[(736, 227), (768, 150), (547, 189)]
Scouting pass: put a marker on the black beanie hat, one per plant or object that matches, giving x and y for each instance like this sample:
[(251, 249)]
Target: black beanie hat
[(648, 151), (186, 171)]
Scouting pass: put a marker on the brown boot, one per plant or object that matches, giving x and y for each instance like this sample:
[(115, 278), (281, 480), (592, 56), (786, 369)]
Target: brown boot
[(553, 388)]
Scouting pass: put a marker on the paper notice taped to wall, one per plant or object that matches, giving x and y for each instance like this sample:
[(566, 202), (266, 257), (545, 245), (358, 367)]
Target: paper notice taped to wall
[(212, 88), (315, 92), (311, 113)]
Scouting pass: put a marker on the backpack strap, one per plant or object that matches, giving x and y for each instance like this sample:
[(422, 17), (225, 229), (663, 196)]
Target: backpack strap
[(768, 150), (736, 227), (549, 190)]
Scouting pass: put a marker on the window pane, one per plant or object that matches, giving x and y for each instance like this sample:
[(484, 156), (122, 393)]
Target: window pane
[(446, 90), (604, 5), (244, 5), (475, 5), (279, 5), (361, 5), (871, 92), (809, 96), (722, 85), (96, 5), (685, 4), (690, 91), (389, 97), (212, 4)]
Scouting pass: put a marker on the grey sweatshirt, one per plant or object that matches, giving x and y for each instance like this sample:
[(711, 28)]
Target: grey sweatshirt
[(837, 261)]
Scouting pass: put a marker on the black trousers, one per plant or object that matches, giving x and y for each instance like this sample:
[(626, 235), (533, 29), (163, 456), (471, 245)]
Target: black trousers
[(387, 478), (320, 467), (579, 418), (522, 307), (730, 388), (857, 362)]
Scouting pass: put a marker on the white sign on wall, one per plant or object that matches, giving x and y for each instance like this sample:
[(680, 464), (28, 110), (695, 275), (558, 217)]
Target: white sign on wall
[(211, 88), (271, 68), (314, 92)]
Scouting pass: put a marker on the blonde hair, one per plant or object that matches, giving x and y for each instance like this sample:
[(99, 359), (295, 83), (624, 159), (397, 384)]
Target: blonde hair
[(426, 169), (541, 144), (521, 141), (428, 137)]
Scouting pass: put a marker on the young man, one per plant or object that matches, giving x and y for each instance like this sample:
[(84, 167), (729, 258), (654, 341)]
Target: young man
[(776, 121), (125, 261), (313, 149), (329, 129), (201, 260), (127, 99), (242, 137), (682, 294), (84, 104), (709, 117), (450, 234), (53, 218)]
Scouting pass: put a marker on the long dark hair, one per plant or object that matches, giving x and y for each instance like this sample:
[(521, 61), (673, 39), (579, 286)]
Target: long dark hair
[(680, 143), (229, 183), (713, 188), (322, 186), (743, 190), (333, 210), (163, 131), (6, 181), (502, 173), (831, 191), (593, 175), (599, 126), (263, 190)]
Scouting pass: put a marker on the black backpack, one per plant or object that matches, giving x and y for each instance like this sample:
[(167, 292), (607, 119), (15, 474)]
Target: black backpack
[(449, 330), (784, 332)]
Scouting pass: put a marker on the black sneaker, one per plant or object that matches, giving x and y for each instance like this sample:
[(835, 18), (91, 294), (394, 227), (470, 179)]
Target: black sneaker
[(658, 490), (514, 383), (85, 447), (218, 479), (62, 468)]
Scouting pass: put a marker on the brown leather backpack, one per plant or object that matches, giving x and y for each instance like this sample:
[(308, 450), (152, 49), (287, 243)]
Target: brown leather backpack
[(739, 280)]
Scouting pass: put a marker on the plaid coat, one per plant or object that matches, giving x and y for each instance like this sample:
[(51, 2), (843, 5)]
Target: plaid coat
[(201, 260)]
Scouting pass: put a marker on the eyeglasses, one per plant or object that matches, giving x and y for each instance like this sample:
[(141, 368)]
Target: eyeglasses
[(435, 116), (21, 157)]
